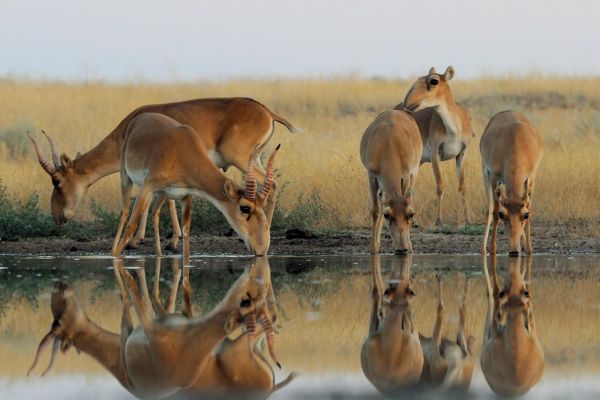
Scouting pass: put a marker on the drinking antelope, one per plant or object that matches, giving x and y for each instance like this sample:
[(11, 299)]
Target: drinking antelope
[(511, 151), (163, 156), (512, 359), (391, 355), (230, 128), (448, 364), (445, 128), (390, 150), (175, 354)]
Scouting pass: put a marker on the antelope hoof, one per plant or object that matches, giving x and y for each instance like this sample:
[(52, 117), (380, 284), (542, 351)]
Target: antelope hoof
[(401, 252), (513, 253), (171, 247), (133, 245)]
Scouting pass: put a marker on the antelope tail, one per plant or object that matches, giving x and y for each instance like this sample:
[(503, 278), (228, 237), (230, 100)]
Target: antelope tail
[(285, 123)]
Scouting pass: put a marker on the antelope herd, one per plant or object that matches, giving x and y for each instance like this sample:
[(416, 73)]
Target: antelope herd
[(177, 151)]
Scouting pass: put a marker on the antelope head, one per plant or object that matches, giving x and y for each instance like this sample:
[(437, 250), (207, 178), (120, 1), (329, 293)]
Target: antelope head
[(514, 211), (513, 300), (428, 91), (250, 301), (248, 210), (68, 190), (398, 212), (399, 295)]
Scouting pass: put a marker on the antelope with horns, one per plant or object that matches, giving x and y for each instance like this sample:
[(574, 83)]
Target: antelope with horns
[(163, 156), (173, 354), (511, 151), (448, 365), (512, 359), (391, 355), (231, 129), (390, 150), (445, 128)]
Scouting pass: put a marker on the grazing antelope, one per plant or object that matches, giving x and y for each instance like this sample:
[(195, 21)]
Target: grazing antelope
[(511, 151), (391, 355), (448, 364), (231, 129), (512, 359), (390, 150), (445, 128), (163, 156), (174, 354)]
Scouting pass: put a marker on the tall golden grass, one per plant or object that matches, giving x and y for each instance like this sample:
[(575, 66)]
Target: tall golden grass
[(324, 158)]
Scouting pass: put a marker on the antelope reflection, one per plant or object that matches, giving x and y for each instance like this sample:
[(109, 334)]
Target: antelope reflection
[(176, 354), (391, 355), (448, 364), (512, 360)]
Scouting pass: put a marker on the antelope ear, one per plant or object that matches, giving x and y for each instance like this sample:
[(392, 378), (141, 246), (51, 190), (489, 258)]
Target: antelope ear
[(500, 191), (526, 189), (432, 71), (66, 161), (231, 324), (78, 155), (231, 191), (449, 74)]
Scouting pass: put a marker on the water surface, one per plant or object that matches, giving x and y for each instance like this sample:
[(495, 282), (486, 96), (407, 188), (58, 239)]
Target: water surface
[(324, 304)]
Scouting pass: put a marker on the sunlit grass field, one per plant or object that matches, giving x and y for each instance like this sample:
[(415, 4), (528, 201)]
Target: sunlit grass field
[(324, 159)]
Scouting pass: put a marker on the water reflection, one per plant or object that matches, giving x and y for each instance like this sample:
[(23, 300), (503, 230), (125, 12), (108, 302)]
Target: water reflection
[(512, 360), (175, 354), (391, 356)]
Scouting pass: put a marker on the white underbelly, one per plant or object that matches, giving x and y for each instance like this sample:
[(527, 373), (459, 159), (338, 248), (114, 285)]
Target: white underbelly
[(178, 193)]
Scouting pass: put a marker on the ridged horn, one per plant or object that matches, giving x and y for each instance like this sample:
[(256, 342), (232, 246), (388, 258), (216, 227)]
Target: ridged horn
[(250, 321), (43, 162), (55, 157), (41, 347), (265, 189), (268, 328), (250, 190)]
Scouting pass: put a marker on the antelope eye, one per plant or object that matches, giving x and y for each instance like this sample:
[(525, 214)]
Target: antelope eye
[(55, 182), (410, 215), (526, 294), (501, 215), (410, 292), (245, 209), (526, 215), (433, 81), (387, 292), (386, 216), (245, 303), (501, 294)]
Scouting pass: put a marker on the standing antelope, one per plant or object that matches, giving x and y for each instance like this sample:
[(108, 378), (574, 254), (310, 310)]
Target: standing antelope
[(163, 156), (231, 129), (390, 150), (391, 356), (174, 354), (511, 151), (445, 128), (512, 359), (448, 364)]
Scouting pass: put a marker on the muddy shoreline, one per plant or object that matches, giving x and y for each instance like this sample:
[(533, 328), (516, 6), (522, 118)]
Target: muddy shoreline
[(553, 240)]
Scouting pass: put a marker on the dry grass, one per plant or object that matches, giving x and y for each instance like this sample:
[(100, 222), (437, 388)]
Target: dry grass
[(324, 158)]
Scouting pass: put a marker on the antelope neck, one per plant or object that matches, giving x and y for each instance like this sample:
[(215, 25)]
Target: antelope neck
[(102, 160), (450, 114)]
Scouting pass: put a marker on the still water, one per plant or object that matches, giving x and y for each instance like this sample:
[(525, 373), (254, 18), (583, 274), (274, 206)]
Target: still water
[(324, 306)]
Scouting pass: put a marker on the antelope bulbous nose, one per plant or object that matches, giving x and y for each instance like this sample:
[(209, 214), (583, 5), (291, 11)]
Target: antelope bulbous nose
[(513, 253), (401, 252)]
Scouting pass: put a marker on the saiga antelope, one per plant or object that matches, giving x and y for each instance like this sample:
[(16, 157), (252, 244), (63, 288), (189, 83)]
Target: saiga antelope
[(391, 355), (448, 364), (231, 129), (512, 359), (165, 157), (188, 356), (511, 151), (390, 150), (445, 128)]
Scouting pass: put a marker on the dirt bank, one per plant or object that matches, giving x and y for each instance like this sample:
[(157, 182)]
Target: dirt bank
[(556, 239)]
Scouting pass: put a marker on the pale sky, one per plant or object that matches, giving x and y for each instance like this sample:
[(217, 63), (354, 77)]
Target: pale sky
[(165, 40)]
